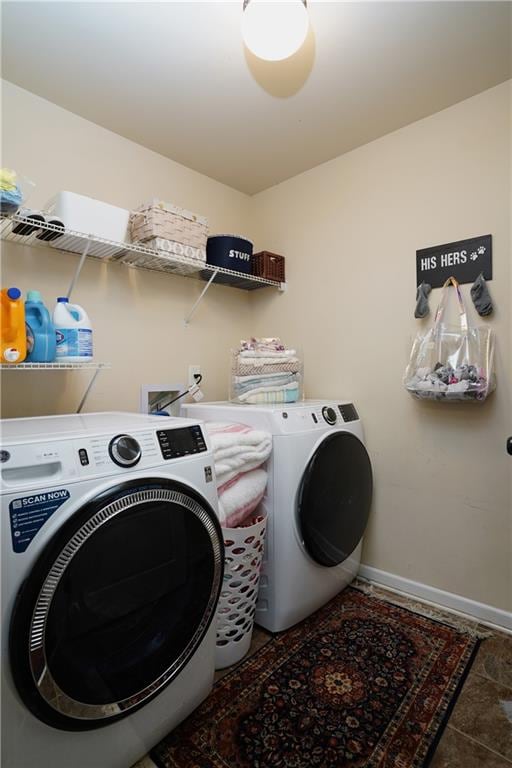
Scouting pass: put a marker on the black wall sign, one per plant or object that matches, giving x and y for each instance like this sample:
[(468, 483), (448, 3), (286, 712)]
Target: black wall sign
[(464, 259)]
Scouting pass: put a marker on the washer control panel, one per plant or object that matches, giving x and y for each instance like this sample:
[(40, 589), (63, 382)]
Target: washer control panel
[(175, 443), (124, 450), (333, 414), (87, 456)]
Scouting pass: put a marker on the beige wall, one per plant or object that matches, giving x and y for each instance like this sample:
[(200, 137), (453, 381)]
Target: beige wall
[(137, 315), (349, 230)]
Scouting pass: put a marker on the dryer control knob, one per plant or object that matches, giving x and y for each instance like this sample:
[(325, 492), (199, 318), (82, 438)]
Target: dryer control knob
[(124, 451), (329, 414)]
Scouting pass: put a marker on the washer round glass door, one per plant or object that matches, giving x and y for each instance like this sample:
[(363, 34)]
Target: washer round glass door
[(335, 498), (116, 604)]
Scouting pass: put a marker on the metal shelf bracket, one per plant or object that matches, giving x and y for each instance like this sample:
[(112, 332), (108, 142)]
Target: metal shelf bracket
[(88, 389), (200, 297), (79, 267)]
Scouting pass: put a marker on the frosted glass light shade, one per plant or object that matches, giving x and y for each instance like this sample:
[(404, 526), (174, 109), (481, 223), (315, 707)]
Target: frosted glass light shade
[(274, 29)]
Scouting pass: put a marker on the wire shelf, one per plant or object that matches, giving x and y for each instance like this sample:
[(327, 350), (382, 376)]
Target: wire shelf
[(53, 366), (50, 235), (135, 255)]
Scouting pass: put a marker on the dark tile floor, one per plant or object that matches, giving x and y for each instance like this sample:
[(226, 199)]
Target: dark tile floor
[(479, 731)]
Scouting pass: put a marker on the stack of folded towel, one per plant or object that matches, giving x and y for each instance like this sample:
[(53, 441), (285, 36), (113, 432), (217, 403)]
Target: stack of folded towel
[(264, 371), (239, 452)]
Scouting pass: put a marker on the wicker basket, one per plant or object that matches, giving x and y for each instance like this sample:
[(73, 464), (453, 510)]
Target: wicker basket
[(163, 220), (268, 265)]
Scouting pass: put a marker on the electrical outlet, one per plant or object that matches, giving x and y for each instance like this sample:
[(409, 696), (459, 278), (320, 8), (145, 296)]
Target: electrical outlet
[(193, 370)]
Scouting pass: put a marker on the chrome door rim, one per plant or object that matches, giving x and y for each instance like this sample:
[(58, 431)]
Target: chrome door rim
[(43, 679)]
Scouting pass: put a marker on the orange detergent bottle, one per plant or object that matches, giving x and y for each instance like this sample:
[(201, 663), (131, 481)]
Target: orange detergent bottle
[(12, 326)]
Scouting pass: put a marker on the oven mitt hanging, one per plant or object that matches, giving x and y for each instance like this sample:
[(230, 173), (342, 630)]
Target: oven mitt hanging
[(481, 296), (448, 363)]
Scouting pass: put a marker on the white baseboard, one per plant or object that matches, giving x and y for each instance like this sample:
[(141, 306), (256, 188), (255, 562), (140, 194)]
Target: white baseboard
[(487, 614)]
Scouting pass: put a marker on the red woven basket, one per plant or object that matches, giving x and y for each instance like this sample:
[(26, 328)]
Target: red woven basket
[(268, 265)]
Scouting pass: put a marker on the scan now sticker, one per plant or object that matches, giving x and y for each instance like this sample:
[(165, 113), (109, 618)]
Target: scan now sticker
[(29, 513)]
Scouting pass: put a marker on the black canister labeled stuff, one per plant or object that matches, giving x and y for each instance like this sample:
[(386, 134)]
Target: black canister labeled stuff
[(229, 251)]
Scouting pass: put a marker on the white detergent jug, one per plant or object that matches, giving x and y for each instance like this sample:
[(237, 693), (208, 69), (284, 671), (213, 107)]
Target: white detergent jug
[(74, 332)]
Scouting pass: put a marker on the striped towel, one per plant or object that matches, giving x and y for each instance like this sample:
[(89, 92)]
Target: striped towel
[(288, 393), (239, 498)]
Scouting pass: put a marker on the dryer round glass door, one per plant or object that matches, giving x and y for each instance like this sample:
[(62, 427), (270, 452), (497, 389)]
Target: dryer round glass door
[(334, 498), (116, 604)]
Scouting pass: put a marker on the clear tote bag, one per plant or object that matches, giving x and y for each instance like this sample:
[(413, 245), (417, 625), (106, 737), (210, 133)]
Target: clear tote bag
[(452, 363)]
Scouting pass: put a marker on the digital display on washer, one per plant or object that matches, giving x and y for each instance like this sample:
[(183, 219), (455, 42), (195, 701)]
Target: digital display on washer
[(348, 412), (180, 442)]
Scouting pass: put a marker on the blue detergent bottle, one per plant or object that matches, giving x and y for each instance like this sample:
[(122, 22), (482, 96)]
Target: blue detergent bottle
[(41, 339)]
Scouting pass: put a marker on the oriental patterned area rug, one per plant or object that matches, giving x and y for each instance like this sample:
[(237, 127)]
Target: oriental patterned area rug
[(361, 683)]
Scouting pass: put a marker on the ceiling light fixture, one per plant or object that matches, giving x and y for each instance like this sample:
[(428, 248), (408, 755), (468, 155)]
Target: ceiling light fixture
[(274, 29)]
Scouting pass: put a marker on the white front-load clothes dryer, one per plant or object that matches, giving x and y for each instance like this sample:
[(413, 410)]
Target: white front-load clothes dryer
[(112, 561), (318, 502)]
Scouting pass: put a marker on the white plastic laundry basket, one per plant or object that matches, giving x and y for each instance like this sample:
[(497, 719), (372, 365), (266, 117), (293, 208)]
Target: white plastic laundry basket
[(237, 604)]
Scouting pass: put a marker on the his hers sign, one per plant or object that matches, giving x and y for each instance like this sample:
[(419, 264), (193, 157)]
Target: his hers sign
[(464, 259)]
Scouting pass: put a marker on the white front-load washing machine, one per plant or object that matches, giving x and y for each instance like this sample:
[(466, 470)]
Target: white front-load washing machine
[(112, 561), (318, 501)]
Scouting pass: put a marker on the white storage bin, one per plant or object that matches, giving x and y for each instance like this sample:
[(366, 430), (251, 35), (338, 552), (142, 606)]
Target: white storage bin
[(237, 603), (90, 217)]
